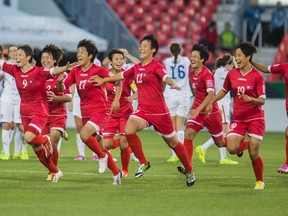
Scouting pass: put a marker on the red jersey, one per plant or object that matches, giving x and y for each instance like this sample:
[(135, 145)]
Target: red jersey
[(251, 84), (149, 81), (202, 83), (56, 108), (92, 98), (283, 70), (125, 106), (31, 87)]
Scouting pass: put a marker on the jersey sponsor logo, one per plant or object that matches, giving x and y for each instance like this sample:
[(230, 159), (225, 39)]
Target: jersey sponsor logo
[(83, 74), (249, 87), (141, 69), (242, 79), (22, 75)]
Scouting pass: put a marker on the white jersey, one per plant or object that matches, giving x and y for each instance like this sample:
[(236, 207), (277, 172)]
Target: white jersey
[(179, 73), (10, 92), (97, 62), (219, 77)]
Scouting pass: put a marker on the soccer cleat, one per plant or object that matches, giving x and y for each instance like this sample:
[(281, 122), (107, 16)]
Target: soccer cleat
[(117, 178), (125, 173), (142, 168), (133, 157), (5, 157), (228, 161), (49, 177), (201, 153), (65, 135), (95, 157), (181, 169), (190, 179), (240, 154), (17, 156), (48, 148), (1, 155), (259, 185), (283, 169), (103, 164), (79, 157), (24, 155), (173, 159), (56, 176)]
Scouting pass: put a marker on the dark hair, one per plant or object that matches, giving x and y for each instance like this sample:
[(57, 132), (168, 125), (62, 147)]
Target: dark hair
[(247, 48), (28, 51), (1, 51), (224, 60), (203, 50), (114, 51), (153, 42), (90, 46), (55, 51), (175, 50)]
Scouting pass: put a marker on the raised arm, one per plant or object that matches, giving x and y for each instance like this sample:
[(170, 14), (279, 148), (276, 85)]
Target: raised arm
[(127, 55), (62, 69), (99, 81), (260, 67)]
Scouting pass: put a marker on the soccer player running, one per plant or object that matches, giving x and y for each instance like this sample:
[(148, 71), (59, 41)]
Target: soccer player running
[(248, 88), (118, 118), (283, 70), (55, 127), (30, 82), (152, 110), (10, 114), (202, 81), (223, 66), (93, 103), (178, 102)]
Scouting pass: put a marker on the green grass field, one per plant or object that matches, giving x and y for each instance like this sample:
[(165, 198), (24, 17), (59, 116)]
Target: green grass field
[(219, 189)]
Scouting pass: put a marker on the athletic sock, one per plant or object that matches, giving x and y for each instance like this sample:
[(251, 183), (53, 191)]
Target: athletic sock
[(223, 155), (208, 144), (125, 158), (39, 140), (47, 162), (183, 157), (189, 148), (93, 144), (111, 164), (5, 141), (115, 143), (286, 150), (136, 146), (55, 156), (243, 146), (258, 168), (80, 145)]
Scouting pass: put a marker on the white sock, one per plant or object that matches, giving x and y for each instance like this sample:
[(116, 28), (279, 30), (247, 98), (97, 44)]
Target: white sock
[(59, 145), (222, 153), (6, 141), (181, 136), (23, 143), (80, 145), (208, 144), (11, 133), (17, 141)]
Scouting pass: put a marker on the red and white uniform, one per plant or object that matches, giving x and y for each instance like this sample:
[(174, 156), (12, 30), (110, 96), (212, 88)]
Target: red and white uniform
[(33, 108), (202, 83), (92, 98), (247, 117), (57, 110), (151, 104), (117, 121), (283, 70)]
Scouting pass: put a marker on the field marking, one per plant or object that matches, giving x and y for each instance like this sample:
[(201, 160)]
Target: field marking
[(97, 174)]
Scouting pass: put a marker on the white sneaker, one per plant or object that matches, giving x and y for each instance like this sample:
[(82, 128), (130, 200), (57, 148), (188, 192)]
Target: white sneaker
[(103, 164), (57, 176), (117, 178), (133, 157)]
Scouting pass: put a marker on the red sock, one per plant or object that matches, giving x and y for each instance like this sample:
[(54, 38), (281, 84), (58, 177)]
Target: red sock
[(39, 140), (125, 158), (286, 149), (111, 164), (183, 156), (47, 162), (115, 143), (55, 156), (243, 146), (258, 168), (189, 148), (136, 146), (93, 144)]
